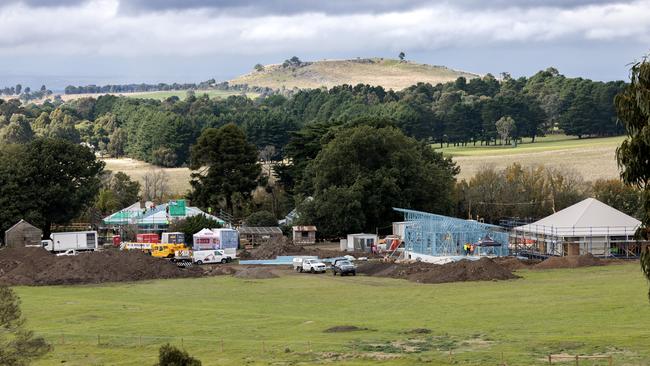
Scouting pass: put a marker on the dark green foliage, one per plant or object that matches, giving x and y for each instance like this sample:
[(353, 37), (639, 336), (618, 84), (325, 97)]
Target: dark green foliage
[(364, 172), (228, 166), (18, 346), (193, 225), (261, 218), (169, 355), (46, 182), (633, 109)]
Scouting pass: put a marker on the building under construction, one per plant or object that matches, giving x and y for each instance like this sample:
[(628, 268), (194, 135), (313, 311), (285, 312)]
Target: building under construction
[(428, 236)]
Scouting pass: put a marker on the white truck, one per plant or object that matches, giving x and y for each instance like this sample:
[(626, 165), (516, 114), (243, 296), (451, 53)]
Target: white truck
[(77, 240), (210, 256), (312, 265)]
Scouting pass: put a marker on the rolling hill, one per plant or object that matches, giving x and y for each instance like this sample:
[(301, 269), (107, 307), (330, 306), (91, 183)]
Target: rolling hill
[(389, 73)]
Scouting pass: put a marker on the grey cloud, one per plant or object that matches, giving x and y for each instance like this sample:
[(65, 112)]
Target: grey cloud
[(291, 7), (44, 3)]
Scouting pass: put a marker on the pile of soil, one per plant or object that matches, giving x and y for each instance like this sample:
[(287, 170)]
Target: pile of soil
[(36, 266), (270, 250), (514, 264), (484, 269), (574, 261), (218, 269), (257, 273)]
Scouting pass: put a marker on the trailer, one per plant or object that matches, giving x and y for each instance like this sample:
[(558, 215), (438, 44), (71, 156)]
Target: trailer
[(215, 239), (78, 240), (173, 238)]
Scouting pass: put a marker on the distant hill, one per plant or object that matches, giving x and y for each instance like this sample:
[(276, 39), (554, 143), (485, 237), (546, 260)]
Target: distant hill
[(389, 73)]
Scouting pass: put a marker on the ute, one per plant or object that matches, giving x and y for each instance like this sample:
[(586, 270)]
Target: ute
[(313, 265), (343, 267)]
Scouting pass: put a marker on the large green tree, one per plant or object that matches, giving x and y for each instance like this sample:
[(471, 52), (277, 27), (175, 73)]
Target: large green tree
[(633, 109), (226, 164), (365, 171), (18, 345), (46, 182)]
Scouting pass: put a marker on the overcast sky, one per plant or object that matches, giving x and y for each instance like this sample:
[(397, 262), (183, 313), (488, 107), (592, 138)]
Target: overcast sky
[(59, 42)]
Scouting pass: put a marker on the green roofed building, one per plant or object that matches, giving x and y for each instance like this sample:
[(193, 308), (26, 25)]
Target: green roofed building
[(153, 219)]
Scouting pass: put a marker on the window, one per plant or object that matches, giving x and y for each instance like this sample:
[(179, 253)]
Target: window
[(305, 234)]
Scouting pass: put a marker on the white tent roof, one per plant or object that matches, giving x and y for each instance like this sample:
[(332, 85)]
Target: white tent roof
[(589, 217)]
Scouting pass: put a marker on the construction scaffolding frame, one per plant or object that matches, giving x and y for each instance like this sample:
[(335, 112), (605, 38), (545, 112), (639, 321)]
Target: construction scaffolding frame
[(438, 235), (603, 241)]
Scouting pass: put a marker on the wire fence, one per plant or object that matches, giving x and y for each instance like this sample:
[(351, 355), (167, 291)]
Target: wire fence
[(320, 350)]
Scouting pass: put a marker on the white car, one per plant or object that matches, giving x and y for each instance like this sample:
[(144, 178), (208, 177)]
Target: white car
[(210, 256), (69, 252), (313, 266)]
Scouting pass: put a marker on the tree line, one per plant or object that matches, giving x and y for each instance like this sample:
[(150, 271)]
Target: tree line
[(211, 84), (26, 94), (460, 113)]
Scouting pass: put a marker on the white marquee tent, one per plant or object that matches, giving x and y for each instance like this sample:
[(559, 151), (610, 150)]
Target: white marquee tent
[(589, 226)]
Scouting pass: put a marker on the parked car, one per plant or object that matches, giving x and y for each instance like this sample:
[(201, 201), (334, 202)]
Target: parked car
[(312, 265), (69, 252), (343, 267)]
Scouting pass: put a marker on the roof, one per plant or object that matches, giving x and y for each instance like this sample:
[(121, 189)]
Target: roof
[(260, 230), (589, 217), (21, 222), (158, 215), (304, 228)]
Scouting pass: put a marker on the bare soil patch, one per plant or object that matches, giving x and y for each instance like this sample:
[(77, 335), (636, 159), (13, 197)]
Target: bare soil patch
[(35, 266), (514, 264), (270, 250), (484, 269)]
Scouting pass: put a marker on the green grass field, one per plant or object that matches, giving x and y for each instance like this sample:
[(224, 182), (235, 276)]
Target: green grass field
[(541, 144), (597, 310)]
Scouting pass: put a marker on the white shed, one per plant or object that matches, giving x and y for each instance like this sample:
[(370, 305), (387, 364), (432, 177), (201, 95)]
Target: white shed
[(361, 242)]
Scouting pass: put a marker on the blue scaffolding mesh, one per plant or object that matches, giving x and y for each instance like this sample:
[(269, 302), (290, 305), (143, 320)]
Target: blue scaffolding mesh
[(438, 235)]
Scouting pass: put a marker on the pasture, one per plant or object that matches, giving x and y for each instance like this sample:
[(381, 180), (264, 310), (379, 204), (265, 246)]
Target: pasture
[(592, 158), (178, 179), (281, 321), (161, 95)]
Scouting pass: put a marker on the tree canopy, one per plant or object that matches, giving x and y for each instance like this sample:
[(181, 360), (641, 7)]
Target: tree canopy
[(363, 172), (228, 166)]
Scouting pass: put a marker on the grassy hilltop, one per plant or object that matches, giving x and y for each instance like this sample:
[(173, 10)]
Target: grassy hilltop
[(389, 73)]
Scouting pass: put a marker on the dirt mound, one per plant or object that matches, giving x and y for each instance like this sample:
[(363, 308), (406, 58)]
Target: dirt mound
[(514, 264), (343, 328), (484, 269), (256, 273), (272, 249), (418, 331), (574, 261), (35, 266), (218, 269)]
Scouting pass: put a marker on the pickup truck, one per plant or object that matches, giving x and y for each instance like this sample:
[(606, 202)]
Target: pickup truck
[(343, 267), (312, 265), (69, 252)]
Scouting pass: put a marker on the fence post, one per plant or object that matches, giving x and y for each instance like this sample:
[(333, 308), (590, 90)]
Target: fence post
[(610, 361), (182, 343), (140, 341), (577, 360), (263, 351), (62, 338), (309, 345), (450, 356), (221, 344), (98, 340), (550, 360)]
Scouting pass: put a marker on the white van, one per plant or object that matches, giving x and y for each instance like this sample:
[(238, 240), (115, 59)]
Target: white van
[(210, 256)]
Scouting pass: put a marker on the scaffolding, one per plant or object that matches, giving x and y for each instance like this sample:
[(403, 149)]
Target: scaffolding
[(540, 241), (438, 235)]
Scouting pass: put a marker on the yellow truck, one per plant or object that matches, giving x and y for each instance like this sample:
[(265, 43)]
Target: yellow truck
[(166, 250)]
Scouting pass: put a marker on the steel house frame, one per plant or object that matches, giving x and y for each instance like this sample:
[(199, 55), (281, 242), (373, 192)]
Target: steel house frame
[(438, 235)]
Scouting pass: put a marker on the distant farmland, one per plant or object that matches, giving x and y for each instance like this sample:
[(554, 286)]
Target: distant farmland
[(160, 95), (593, 158), (389, 73)]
